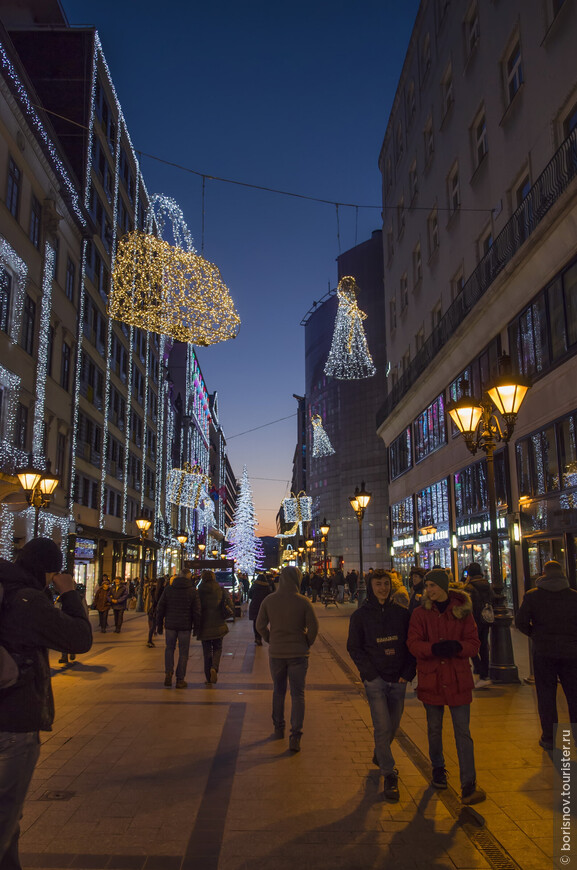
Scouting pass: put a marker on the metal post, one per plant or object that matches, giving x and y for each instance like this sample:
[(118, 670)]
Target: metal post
[(140, 590), (362, 587), (325, 556), (36, 518)]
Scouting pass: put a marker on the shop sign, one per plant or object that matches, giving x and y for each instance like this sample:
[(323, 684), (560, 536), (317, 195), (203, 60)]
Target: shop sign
[(403, 542), (439, 535), (479, 527), (131, 553), (85, 549)]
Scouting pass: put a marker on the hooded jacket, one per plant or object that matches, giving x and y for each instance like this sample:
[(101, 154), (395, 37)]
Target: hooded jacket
[(377, 641), (444, 680), (548, 615), (178, 608), (287, 621), (29, 625)]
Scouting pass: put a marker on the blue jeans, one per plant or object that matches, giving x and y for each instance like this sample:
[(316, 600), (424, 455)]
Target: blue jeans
[(464, 741), (18, 756), (387, 701), (295, 671), (183, 638)]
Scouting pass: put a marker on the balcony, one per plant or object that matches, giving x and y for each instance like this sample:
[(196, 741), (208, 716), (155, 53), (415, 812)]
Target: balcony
[(551, 184)]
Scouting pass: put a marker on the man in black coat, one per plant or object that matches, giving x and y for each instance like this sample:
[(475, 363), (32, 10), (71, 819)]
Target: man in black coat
[(29, 625), (377, 644), (481, 594), (178, 610), (548, 615)]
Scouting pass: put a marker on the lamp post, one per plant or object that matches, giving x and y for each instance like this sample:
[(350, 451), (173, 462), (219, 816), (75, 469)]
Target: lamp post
[(300, 551), (359, 503), (182, 538), (143, 523), (309, 545), (215, 553), (482, 430), (39, 486), (325, 529), (201, 549)]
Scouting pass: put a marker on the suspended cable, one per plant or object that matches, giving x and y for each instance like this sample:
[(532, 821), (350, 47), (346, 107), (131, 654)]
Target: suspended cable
[(264, 425)]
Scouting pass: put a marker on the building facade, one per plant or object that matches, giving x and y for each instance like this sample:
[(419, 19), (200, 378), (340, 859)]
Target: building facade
[(479, 208)]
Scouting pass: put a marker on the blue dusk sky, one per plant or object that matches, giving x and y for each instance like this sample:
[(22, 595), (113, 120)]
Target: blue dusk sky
[(294, 97)]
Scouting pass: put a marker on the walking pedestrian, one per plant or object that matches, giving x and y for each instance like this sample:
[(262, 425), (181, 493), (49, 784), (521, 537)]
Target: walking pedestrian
[(118, 596), (352, 580), (316, 585), (548, 615), (377, 643), (101, 603), (443, 637), (29, 626), (482, 599), (215, 608), (417, 586), (260, 588), (178, 614), (287, 622), (152, 592)]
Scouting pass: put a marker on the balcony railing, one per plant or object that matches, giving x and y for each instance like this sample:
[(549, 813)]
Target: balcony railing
[(551, 184)]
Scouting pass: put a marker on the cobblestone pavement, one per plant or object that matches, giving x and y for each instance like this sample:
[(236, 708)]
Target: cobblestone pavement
[(135, 775)]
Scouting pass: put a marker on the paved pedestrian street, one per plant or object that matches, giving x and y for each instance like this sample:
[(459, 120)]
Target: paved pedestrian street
[(135, 775)]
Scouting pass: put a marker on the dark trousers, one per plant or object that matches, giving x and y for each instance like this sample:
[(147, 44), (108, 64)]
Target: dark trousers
[(103, 619), (294, 672), (481, 661), (257, 636), (546, 671), (18, 756), (118, 617), (212, 651), (151, 626)]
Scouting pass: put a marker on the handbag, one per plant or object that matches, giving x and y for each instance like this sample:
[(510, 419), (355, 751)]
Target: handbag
[(226, 608)]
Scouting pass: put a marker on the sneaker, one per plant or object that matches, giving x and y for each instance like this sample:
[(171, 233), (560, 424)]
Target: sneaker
[(150, 644), (168, 680), (279, 733), (181, 684), (472, 794), (295, 743), (213, 675), (482, 684), (391, 787), (547, 745), (439, 777)]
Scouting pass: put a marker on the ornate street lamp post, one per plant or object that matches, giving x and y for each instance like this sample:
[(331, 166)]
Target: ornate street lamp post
[(309, 544), (482, 430), (359, 503), (39, 486), (325, 529), (182, 538), (143, 523)]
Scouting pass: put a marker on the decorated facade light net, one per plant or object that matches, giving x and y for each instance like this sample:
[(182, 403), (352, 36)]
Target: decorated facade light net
[(321, 443), (349, 357), (185, 485), (298, 510), (169, 288)]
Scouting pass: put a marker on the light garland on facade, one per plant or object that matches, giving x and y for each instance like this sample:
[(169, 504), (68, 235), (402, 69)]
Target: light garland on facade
[(77, 369), (349, 357), (321, 443), (10, 261), (42, 362), (7, 537), (11, 384)]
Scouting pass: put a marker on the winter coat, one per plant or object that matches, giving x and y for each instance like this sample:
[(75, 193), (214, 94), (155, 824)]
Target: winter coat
[(100, 601), (257, 593), (377, 641), (118, 596), (212, 623), (481, 593), (178, 608), (548, 615), (444, 680), (416, 595), (287, 621), (29, 625)]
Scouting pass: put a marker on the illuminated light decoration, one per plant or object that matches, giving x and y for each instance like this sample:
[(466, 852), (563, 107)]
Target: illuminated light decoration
[(170, 291), (162, 399), (349, 357), (185, 485), (162, 208), (298, 510), (7, 536), (321, 443), (42, 363), (9, 454), (244, 546), (77, 369), (10, 262), (36, 124), (145, 424)]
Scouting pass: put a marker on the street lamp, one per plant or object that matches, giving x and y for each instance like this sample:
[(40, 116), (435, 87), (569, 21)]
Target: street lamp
[(359, 503), (39, 486), (309, 544), (300, 551), (482, 430), (201, 549), (325, 529), (143, 523), (215, 553), (182, 538)]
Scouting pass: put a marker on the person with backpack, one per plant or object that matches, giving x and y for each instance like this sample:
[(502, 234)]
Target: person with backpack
[(482, 596), (178, 613), (30, 624)]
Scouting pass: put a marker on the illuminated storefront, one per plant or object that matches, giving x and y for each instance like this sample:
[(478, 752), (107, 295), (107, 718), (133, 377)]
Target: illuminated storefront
[(403, 555), (85, 566), (434, 537)]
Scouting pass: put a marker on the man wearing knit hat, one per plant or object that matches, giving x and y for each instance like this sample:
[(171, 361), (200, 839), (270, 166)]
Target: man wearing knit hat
[(443, 637), (29, 624), (548, 615)]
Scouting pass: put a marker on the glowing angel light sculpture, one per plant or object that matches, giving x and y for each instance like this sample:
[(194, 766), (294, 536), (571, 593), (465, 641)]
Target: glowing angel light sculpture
[(349, 357), (321, 443)]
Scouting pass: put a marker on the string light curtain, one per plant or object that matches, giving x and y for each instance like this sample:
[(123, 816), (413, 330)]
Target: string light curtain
[(185, 485), (349, 357), (321, 443), (169, 288)]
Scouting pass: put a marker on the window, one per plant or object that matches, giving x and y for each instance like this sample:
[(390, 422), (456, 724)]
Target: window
[(514, 70), (426, 56), (523, 207), (413, 182), (5, 299), (433, 228), (429, 429), (28, 324), (65, 366), (21, 427), (485, 242), (570, 122), (86, 491), (447, 90), (417, 265), (70, 279), (406, 360), (453, 190), (429, 141), (392, 314), (402, 519), (419, 338), (400, 459), (433, 505), (472, 31), (35, 221), (138, 385), (479, 133), (401, 216), (411, 102), (436, 315), (404, 288), (457, 283), (471, 496), (13, 188)]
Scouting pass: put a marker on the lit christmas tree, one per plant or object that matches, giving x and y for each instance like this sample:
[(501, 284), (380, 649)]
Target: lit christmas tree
[(321, 442), (243, 545), (349, 356)]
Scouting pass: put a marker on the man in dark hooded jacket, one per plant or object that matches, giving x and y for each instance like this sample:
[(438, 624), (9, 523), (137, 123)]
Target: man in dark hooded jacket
[(377, 644), (29, 624), (481, 594), (178, 611), (548, 615)]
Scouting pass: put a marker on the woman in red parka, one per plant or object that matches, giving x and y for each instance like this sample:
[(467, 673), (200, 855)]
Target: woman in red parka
[(443, 637)]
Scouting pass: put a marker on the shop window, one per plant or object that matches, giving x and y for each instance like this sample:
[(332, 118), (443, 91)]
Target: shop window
[(402, 518), (568, 451), (433, 505), (429, 429), (400, 454), (544, 461)]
